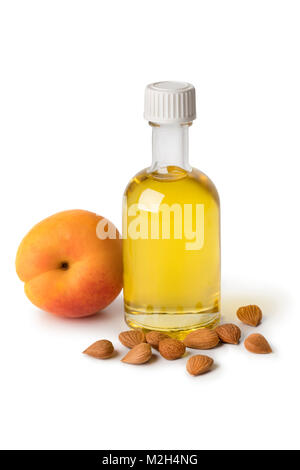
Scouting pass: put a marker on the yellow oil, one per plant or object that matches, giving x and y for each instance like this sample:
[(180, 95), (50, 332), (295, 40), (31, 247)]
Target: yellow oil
[(171, 281)]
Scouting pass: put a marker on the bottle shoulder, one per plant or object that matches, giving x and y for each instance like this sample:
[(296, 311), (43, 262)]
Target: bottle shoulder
[(136, 180), (206, 182), (174, 179)]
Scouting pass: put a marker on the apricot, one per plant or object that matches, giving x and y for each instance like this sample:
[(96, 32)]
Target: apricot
[(67, 267)]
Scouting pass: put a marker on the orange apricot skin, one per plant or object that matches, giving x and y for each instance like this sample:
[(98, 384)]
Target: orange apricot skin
[(66, 268)]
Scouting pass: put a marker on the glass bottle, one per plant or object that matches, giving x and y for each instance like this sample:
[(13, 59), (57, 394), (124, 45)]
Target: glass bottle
[(171, 234)]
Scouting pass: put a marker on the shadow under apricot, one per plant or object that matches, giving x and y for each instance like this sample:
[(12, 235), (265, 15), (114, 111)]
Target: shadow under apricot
[(113, 315)]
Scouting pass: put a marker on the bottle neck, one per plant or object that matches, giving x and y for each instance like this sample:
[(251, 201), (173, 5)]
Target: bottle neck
[(170, 147)]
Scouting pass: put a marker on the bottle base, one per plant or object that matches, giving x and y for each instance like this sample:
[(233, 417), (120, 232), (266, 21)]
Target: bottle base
[(177, 325)]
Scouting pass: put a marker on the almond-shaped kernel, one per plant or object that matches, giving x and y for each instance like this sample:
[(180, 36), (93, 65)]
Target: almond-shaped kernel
[(171, 348), (229, 333), (202, 339), (199, 364), (249, 314), (131, 338), (139, 354), (102, 349), (257, 344), (154, 337)]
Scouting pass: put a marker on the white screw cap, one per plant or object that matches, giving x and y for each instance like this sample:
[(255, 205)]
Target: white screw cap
[(170, 102)]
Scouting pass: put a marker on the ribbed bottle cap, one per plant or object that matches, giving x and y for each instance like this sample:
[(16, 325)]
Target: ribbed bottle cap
[(170, 102)]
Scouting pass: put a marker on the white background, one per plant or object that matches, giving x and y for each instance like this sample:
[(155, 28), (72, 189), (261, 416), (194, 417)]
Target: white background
[(72, 134)]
